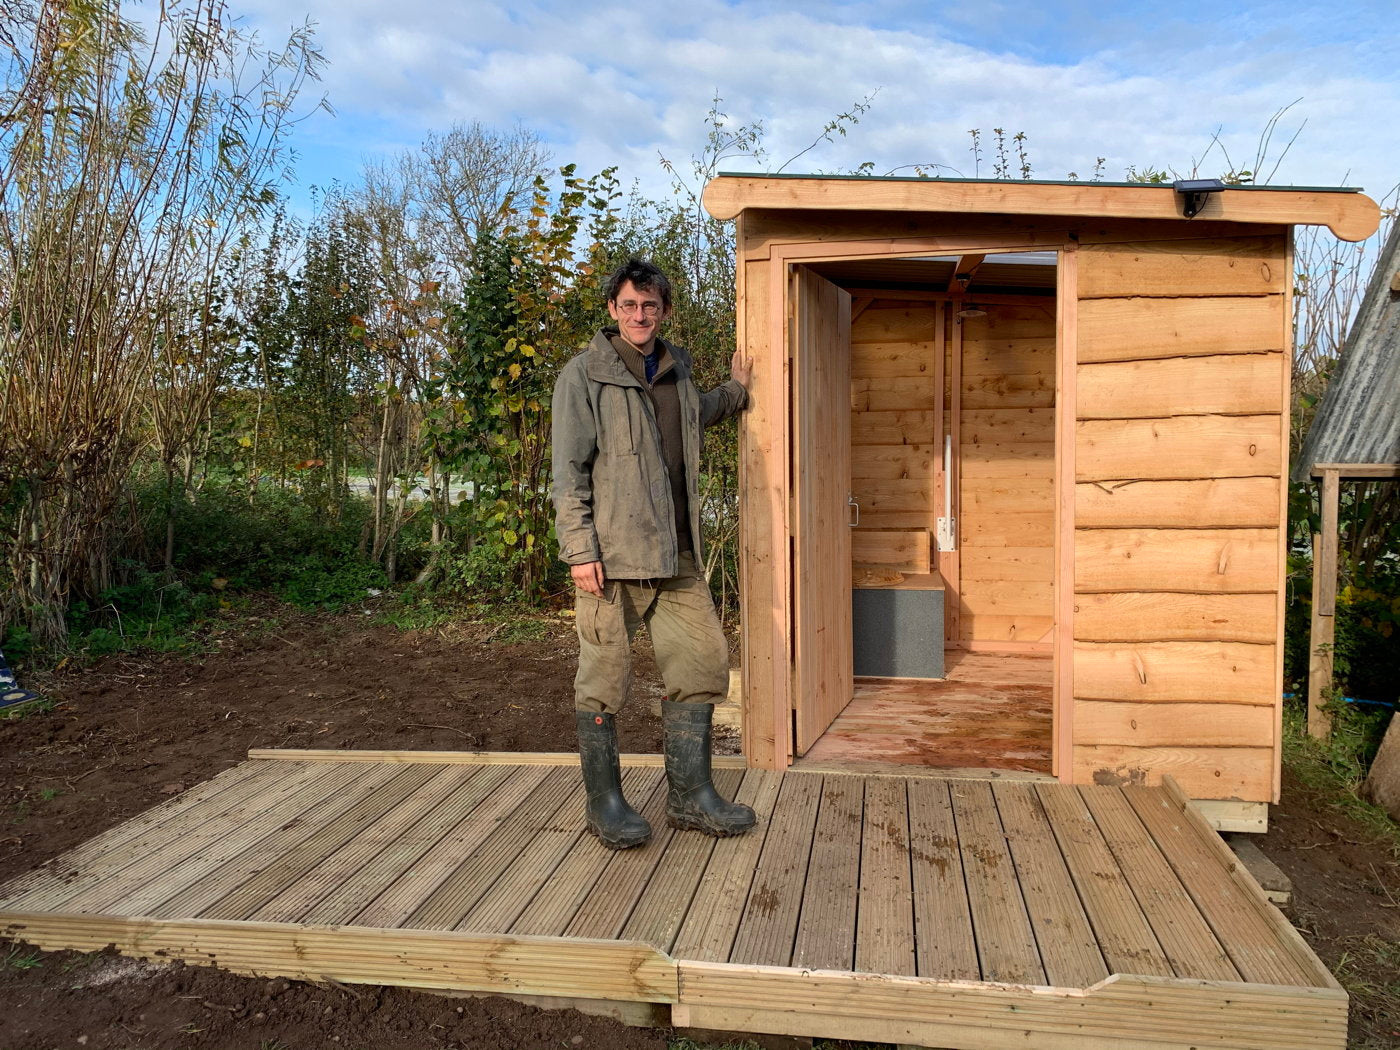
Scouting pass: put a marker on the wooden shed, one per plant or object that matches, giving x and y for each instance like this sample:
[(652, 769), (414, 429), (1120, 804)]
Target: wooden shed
[(1026, 444)]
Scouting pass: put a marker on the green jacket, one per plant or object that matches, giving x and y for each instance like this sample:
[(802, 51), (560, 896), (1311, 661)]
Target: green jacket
[(612, 496)]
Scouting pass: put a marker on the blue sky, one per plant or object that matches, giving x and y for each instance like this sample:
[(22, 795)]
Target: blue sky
[(1140, 83)]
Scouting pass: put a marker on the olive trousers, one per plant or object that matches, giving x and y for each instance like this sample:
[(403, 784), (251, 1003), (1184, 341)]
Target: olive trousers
[(680, 614)]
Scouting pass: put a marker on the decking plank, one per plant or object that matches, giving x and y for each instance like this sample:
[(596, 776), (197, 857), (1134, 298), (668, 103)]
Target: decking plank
[(1122, 930), (664, 902), (1068, 950), (398, 901), (1006, 948), (341, 865), (944, 945), (713, 920), (1186, 938), (56, 883), (401, 855), (457, 894), (207, 876), (885, 914), (555, 905), (1247, 936), (826, 928), (128, 880), (90, 853), (766, 932), (310, 853), (607, 908), (502, 904)]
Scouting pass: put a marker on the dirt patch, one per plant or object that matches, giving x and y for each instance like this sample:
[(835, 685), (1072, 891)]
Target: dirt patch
[(106, 1001), (1346, 903), (128, 733)]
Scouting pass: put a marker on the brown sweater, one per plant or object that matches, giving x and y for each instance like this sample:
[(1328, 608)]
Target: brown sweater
[(666, 404)]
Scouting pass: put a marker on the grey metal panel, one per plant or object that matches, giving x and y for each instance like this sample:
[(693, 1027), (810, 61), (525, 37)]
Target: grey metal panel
[(1358, 420), (897, 634)]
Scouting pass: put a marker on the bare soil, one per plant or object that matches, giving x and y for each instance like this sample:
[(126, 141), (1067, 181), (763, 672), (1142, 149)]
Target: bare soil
[(128, 732)]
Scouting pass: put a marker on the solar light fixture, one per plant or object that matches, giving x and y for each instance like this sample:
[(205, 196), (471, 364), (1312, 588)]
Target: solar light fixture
[(1195, 192)]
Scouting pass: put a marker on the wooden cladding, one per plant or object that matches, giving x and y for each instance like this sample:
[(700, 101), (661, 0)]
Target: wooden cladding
[(1193, 503), (1178, 448), (1180, 445), (1146, 616), (1224, 384), (1223, 267), (1138, 328), (1208, 672), (1204, 561), (1202, 772)]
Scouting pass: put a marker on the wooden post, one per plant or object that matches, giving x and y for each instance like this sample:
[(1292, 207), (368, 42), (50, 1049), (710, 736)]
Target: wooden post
[(1324, 608)]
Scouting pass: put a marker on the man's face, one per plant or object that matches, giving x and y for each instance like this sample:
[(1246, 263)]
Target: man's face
[(638, 314)]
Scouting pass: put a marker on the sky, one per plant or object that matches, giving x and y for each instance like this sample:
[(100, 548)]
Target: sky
[(1144, 84)]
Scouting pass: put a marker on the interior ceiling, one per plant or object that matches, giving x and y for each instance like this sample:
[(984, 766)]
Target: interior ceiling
[(1022, 273)]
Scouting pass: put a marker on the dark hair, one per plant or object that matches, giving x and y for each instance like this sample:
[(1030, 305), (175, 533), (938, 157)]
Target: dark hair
[(645, 277)]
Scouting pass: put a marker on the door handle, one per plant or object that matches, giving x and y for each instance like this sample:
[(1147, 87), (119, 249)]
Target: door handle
[(851, 501)]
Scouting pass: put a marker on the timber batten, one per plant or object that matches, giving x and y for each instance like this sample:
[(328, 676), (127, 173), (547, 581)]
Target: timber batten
[(918, 910)]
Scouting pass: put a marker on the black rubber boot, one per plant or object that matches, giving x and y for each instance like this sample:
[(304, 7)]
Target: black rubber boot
[(617, 824), (691, 799)]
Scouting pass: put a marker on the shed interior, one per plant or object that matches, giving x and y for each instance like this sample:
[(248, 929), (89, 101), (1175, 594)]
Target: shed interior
[(951, 459)]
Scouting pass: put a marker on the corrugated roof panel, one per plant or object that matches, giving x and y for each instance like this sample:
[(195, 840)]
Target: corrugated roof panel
[(1358, 420)]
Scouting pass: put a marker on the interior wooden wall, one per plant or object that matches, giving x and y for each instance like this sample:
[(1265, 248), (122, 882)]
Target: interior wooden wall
[(1180, 454), (1006, 518), (895, 442)]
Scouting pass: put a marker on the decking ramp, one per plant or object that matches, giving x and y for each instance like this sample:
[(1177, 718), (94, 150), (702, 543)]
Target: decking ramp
[(947, 913)]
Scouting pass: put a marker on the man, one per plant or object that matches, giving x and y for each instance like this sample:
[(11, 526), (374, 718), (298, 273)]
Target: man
[(627, 419)]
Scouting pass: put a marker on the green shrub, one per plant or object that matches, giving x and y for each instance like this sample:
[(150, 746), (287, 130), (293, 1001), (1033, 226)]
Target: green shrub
[(1366, 649), (326, 585)]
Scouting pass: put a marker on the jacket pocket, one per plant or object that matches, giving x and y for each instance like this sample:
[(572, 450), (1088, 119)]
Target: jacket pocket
[(618, 421)]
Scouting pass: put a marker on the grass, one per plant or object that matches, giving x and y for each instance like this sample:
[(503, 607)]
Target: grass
[(1370, 972), (1332, 770), (506, 624), (41, 706), (1335, 768), (20, 958)]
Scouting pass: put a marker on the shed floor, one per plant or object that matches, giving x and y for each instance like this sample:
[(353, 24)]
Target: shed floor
[(993, 711), (915, 910)]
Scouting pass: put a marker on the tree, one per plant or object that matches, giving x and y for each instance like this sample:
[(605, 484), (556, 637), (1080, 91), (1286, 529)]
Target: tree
[(129, 159)]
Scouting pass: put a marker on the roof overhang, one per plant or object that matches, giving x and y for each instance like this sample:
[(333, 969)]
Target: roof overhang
[(1349, 214)]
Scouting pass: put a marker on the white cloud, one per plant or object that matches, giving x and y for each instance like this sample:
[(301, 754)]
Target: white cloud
[(613, 84)]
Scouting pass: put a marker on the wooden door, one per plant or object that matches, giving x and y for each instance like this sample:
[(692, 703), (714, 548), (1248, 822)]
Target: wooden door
[(820, 336)]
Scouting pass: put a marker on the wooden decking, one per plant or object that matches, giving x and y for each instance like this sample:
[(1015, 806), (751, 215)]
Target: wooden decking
[(916, 910), (993, 711)]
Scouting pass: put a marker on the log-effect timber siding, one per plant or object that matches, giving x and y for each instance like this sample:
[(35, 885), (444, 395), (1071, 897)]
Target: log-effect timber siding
[(1006, 520), (1180, 448)]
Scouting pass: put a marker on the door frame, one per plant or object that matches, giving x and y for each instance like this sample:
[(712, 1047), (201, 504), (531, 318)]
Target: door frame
[(772, 669)]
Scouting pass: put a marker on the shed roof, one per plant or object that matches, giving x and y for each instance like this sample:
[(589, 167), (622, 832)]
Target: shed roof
[(1348, 213), (1358, 420)]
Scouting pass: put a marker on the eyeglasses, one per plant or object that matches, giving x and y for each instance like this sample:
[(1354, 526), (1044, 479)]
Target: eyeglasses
[(628, 306)]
